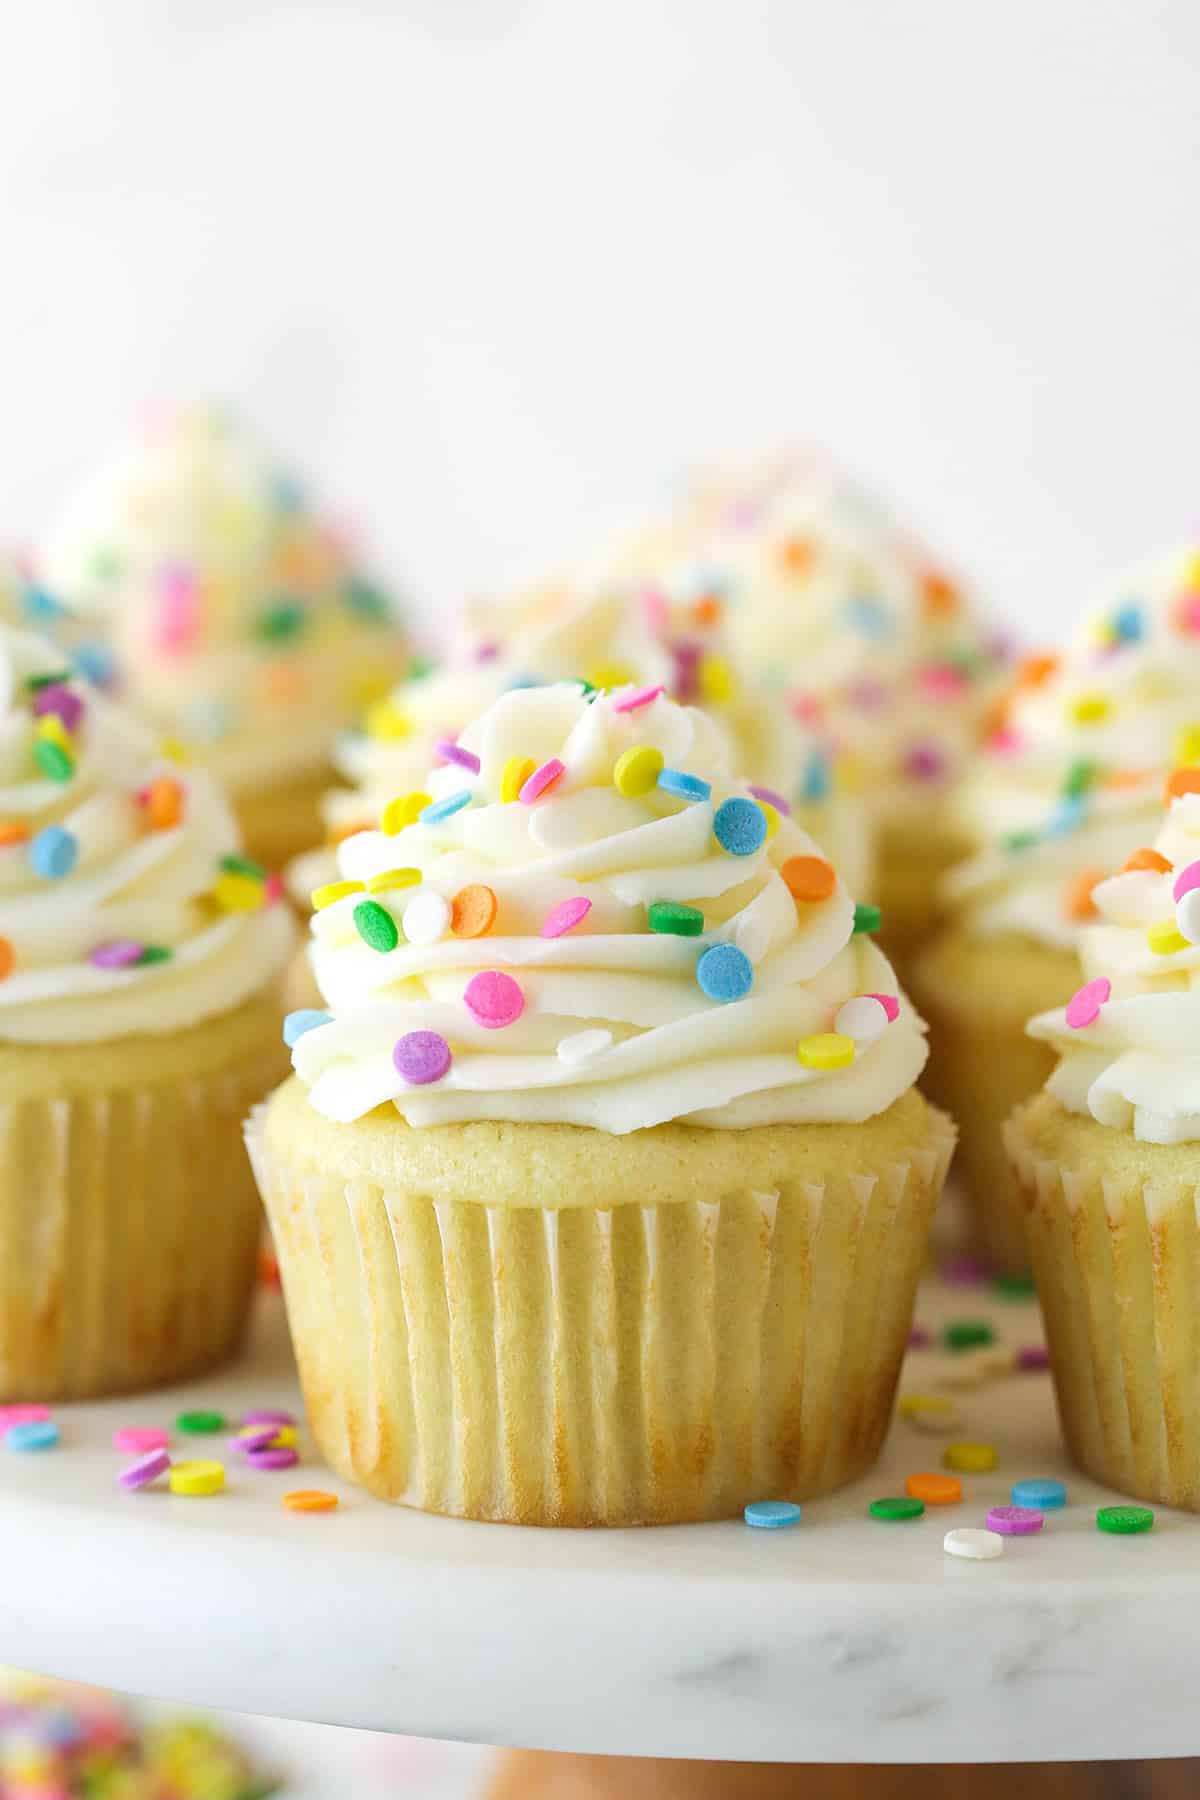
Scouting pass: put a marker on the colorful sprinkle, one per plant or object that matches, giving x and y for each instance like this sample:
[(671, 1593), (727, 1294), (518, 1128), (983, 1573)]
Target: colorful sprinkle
[(1031, 1359), (121, 953), (865, 1018), (1187, 879), (238, 893), (310, 1500), (809, 878), (1041, 1493), (303, 1020), (163, 803), (376, 926), (565, 916), (437, 810), (1077, 897), (724, 972), (13, 831), (391, 881), (934, 1488), (404, 810), (60, 702), (22, 1412), (8, 959), (516, 773), (772, 1515), (674, 919), (53, 760), (684, 786), (740, 826), (897, 1507), (931, 1412), (1166, 939), (1125, 1521), (54, 852), (386, 723), (1186, 748), (494, 999), (146, 1469), (1083, 1008), (826, 1050), (1015, 1521), (1181, 781), (421, 1057), (638, 698), (197, 1478), (975, 1545), (272, 1457), (473, 911), (1187, 917), (542, 780), (924, 761), (32, 1434), (427, 917), (332, 892), (967, 1334), (1088, 709), (866, 918), (636, 771), (135, 1440), (451, 752), (268, 1415), (971, 1459), (201, 1423)]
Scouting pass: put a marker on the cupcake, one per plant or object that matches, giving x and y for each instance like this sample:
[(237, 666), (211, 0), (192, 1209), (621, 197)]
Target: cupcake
[(200, 582), (601, 1189), (1108, 1160), (139, 954), (1068, 787), (861, 633)]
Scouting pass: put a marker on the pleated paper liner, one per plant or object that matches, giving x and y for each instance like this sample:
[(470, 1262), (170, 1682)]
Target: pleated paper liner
[(596, 1365), (1112, 1227)]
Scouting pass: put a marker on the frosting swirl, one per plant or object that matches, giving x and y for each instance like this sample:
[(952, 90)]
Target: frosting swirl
[(124, 906), (594, 923)]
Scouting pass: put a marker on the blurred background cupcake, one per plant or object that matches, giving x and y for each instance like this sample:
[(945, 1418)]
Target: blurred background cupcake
[(202, 587)]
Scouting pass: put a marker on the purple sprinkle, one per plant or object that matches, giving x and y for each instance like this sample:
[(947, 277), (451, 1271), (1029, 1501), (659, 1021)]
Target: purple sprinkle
[(122, 953), (454, 753), (924, 761), (964, 1271), (283, 1458), (268, 1415), (60, 701), (1015, 1521), (421, 1057), (1031, 1358), (487, 651), (247, 1442), (146, 1469), (919, 1338), (772, 799), (866, 693)]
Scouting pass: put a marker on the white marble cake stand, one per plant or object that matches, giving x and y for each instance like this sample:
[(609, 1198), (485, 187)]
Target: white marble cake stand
[(844, 1639)]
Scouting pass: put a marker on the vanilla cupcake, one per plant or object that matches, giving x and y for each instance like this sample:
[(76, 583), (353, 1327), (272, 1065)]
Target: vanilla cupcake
[(601, 1190), (1068, 787), (139, 960), (222, 608), (1108, 1161)]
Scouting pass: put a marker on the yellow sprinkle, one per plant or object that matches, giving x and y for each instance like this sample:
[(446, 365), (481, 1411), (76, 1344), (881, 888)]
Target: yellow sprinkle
[(717, 684), (827, 1050), (174, 750), (1166, 939), (366, 690), (51, 729), (1191, 577), (1187, 747), (637, 770), (334, 890), (1088, 709), (771, 813), (385, 720), (610, 675), (197, 1477), (238, 893), (1102, 633), (849, 773), (970, 1459), (517, 771), (404, 810), (394, 878)]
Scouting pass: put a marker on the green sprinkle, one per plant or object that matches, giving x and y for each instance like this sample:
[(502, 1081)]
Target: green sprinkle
[(1124, 1520), (153, 953), (36, 682), (896, 1506), (363, 598), (243, 865), (1014, 1287), (104, 565), (279, 623), (1019, 840), (200, 1423), (53, 760), (967, 1334), (675, 919), (867, 918), (420, 668), (376, 926), (1080, 777)]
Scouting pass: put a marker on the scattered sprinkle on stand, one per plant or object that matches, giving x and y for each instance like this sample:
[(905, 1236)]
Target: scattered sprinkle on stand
[(896, 1508), (1125, 1521), (973, 1544), (772, 1515), (197, 1479), (1015, 1521), (32, 1434), (200, 1423), (310, 1500), (970, 1458)]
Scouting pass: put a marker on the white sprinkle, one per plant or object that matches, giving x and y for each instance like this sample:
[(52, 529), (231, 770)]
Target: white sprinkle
[(582, 1045), (976, 1545), (864, 1019), (1187, 916), (426, 918), (939, 1422)]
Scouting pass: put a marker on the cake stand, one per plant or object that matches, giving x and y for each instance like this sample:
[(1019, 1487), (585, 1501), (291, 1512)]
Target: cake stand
[(842, 1640)]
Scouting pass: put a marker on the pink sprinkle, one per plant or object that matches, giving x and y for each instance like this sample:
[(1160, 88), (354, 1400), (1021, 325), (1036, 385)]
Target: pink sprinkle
[(541, 779), (638, 698), (268, 1415), (1083, 1008), (62, 702), (1005, 742), (1032, 1357), (178, 608), (565, 916), (772, 799), (273, 889), (283, 1458), (919, 1338), (807, 708), (146, 1469), (1186, 880), (486, 652), (1015, 1521), (23, 1413), (942, 681), (890, 1004), (259, 1437), (454, 753), (924, 761), (656, 614), (686, 657), (494, 999), (1187, 614), (963, 1271), (135, 1440), (122, 953)]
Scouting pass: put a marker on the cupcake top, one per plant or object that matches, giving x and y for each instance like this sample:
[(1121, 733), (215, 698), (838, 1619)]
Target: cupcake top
[(1070, 781), (592, 922), (124, 904), (1129, 1040), (230, 613)]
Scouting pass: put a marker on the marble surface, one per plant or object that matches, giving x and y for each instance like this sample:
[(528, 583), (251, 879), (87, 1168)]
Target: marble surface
[(845, 1639)]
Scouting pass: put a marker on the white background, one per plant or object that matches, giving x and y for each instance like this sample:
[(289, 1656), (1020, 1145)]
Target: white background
[(492, 269)]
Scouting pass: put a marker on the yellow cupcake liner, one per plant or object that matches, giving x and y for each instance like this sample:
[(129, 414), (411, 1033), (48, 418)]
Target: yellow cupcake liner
[(599, 1365)]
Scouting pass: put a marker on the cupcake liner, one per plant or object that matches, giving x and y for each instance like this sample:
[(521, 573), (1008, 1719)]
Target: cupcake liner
[(1115, 1257), (129, 1227), (599, 1365)]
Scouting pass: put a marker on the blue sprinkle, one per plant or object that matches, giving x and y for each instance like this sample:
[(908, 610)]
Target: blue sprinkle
[(1067, 817), (96, 664), (306, 1018), (54, 852), (1128, 624), (816, 781), (1041, 1495), (41, 605), (724, 972), (869, 617), (445, 809), (688, 787), (740, 826), (772, 1515), (524, 681), (36, 1434), (287, 492)]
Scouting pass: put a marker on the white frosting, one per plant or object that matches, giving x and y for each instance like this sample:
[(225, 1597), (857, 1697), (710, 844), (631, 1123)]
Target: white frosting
[(130, 883), (1137, 1063), (616, 1031)]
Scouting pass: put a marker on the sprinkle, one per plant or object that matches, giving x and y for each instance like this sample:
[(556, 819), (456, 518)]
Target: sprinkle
[(685, 657), (299, 1023), (1127, 623), (8, 959), (153, 953), (1187, 917), (939, 594), (268, 1415), (197, 1479), (868, 617), (234, 863), (421, 1057), (454, 753), (33, 1434), (933, 1488), (1149, 860), (238, 893), (62, 703), (637, 771), (1166, 939), (22, 1412), (438, 810), (121, 953), (376, 926), (717, 685), (931, 1412), (201, 1423), (967, 1334), (146, 1469), (769, 797), (310, 1500), (1077, 898), (809, 878), (389, 881), (1088, 709), (1014, 1287), (674, 919), (866, 918), (565, 916), (473, 911), (687, 787), (724, 972), (404, 810), (332, 892), (516, 773), (607, 675), (865, 1018), (772, 1515), (494, 999), (1015, 1521), (541, 780), (1035, 670), (971, 1459), (1016, 841), (581, 1045), (1124, 1520), (826, 1050), (386, 722), (1031, 1359), (924, 761), (13, 831), (1083, 1008), (740, 826), (272, 1457), (1181, 781), (162, 802), (53, 760), (975, 1545), (897, 1507), (135, 1440), (1042, 1493), (427, 917), (1186, 746), (919, 1338), (640, 697), (54, 852), (816, 781)]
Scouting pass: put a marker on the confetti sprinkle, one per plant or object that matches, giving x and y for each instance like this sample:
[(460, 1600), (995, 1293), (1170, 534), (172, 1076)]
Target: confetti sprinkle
[(517, 771), (135, 1440), (200, 1423), (32, 1434), (303, 1020), (310, 1500), (639, 698), (895, 1508), (933, 1488), (772, 1515), (970, 1459), (421, 1057), (454, 753), (404, 810), (740, 826), (809, 878), (122, 953), (684, 786), (1125, 1521), (725, 973), (1039, 1494), (1083, 1008), (427, 917), (1015, 1521), (973, 1544), (376, 926), (866, 918), (636, 771), (332, 892), (494, 999), (565, 916), (473, 911), (197, 1478), (144, 1471), (437, 810), (54, 852), (826, 1050)]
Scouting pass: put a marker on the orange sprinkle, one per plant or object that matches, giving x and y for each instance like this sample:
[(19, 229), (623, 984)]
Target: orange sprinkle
[(1077, 901), (8, 957), (809, 877), (1126, 778), (934, 1489), (797, 554), (1181, 781), (13, 832), (283, 684), (1034, 671), (1148, 859), (707, 610), (310, 1500), (472, 911), (939, 595), (268, 1268), (163, 801)]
